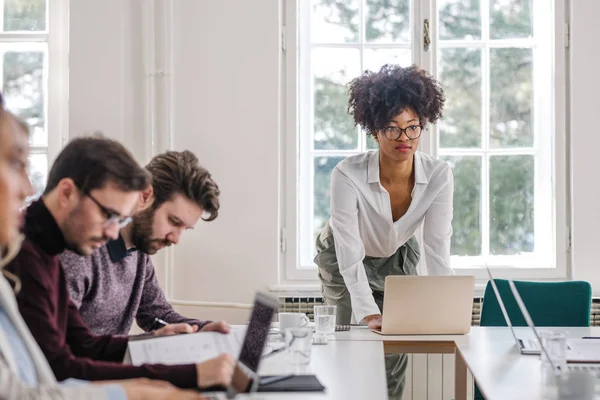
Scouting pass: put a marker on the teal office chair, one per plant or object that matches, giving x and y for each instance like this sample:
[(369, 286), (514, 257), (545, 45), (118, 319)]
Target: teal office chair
[(548, 303)]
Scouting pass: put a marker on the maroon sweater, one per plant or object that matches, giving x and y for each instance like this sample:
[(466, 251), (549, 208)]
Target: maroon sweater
[(72, 350)]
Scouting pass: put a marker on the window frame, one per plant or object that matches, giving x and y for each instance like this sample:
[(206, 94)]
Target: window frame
[(54, 40), (291, 271)]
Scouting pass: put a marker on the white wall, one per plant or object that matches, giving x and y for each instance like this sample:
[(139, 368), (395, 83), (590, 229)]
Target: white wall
[(585, 140), (105, 69), (226, 110), (226, 67)]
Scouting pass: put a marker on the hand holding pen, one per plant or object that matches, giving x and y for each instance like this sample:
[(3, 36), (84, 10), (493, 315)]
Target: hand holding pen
[(173, 329)]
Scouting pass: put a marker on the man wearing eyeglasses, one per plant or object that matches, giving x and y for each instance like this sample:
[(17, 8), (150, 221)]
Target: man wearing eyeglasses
[(117, 284), (93, 188)]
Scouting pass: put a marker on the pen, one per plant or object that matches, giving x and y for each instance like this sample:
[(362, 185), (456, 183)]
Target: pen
[(160, 321), (591, 337)]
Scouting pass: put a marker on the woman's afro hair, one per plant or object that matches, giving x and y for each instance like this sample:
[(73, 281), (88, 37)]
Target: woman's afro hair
[(377, 97)]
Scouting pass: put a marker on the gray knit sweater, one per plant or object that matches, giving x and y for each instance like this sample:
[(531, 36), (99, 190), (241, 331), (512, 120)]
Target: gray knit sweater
[(115, 285)]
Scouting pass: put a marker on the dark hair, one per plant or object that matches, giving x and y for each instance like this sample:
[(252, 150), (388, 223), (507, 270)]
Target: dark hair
[(177, 172), (93, 161), (377, 97)]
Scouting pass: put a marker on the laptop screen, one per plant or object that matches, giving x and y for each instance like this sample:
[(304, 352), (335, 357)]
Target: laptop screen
[(254, 343), (257, 333)]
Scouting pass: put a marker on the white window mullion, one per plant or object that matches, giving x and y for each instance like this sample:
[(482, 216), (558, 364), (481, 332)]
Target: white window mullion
[(516, 151), (57, 117), (485, 129), (362, 37), (19, 37), (306, 123), (544, 217), (561, 206), (290, 219), (420, 11), (369, 45), (38, 150)]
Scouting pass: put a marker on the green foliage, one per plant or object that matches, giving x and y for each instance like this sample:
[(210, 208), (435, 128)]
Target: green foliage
[(24, 15)]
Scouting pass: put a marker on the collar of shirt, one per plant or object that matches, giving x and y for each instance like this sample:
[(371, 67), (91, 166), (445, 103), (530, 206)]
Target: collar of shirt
[(41, 228), (117, 249), (373, 168)]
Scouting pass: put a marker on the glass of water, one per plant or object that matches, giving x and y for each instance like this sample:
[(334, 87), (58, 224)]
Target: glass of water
[(298, 342), (555, 343), (324, 321)]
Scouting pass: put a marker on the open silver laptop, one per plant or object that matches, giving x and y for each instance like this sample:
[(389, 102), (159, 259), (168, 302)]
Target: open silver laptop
[(528, 346), (427, 305)]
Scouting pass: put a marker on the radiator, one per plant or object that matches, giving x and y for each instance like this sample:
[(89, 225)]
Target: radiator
[(305, 304)]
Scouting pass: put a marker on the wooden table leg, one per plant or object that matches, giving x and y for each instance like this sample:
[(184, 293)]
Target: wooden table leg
[(460, 377)]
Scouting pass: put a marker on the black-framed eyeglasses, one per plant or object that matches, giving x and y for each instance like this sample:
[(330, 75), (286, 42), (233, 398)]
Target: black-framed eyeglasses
[(393, 132), (112, 217)]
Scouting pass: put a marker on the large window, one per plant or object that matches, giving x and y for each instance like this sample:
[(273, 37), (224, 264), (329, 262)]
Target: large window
[(26, 49), (501, 63)]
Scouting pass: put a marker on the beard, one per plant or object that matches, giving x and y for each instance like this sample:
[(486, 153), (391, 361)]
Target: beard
[(141, 232), (72, 229)]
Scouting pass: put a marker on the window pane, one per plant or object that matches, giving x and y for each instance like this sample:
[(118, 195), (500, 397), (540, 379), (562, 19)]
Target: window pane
[(24, 89), (510, 19), (459, 19), (511, 98), (323, 168), (466, 224), (374, 59), (335, 21), (460, 76), (511, 204), (38, 173), (371, 143), (24, 15), (387, 21), (333, 69)]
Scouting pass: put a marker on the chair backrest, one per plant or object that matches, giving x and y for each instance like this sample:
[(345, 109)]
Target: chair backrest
[(549, 303)]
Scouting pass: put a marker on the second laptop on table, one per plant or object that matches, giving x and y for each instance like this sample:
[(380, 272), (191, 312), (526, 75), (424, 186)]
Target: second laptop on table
[(427, 305)]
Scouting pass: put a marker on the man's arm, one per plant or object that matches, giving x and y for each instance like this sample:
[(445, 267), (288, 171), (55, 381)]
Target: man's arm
[(154, 304), (40, 306)]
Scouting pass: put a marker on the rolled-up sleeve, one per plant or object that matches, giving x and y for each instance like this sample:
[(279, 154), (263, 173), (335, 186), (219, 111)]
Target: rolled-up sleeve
[(349, 248), (437, 227)]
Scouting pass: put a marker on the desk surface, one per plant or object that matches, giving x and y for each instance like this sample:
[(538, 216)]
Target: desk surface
[(503, 373), (347, 370), (352, 366)]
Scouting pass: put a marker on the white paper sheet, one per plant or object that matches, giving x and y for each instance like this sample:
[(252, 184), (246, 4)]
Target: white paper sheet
[(583, 351), (185, 349)]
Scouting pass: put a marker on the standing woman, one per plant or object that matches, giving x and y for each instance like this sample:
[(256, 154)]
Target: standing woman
[(380, 198)]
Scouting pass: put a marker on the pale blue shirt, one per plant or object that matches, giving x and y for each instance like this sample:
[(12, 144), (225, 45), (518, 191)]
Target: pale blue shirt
[(26, 368)]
